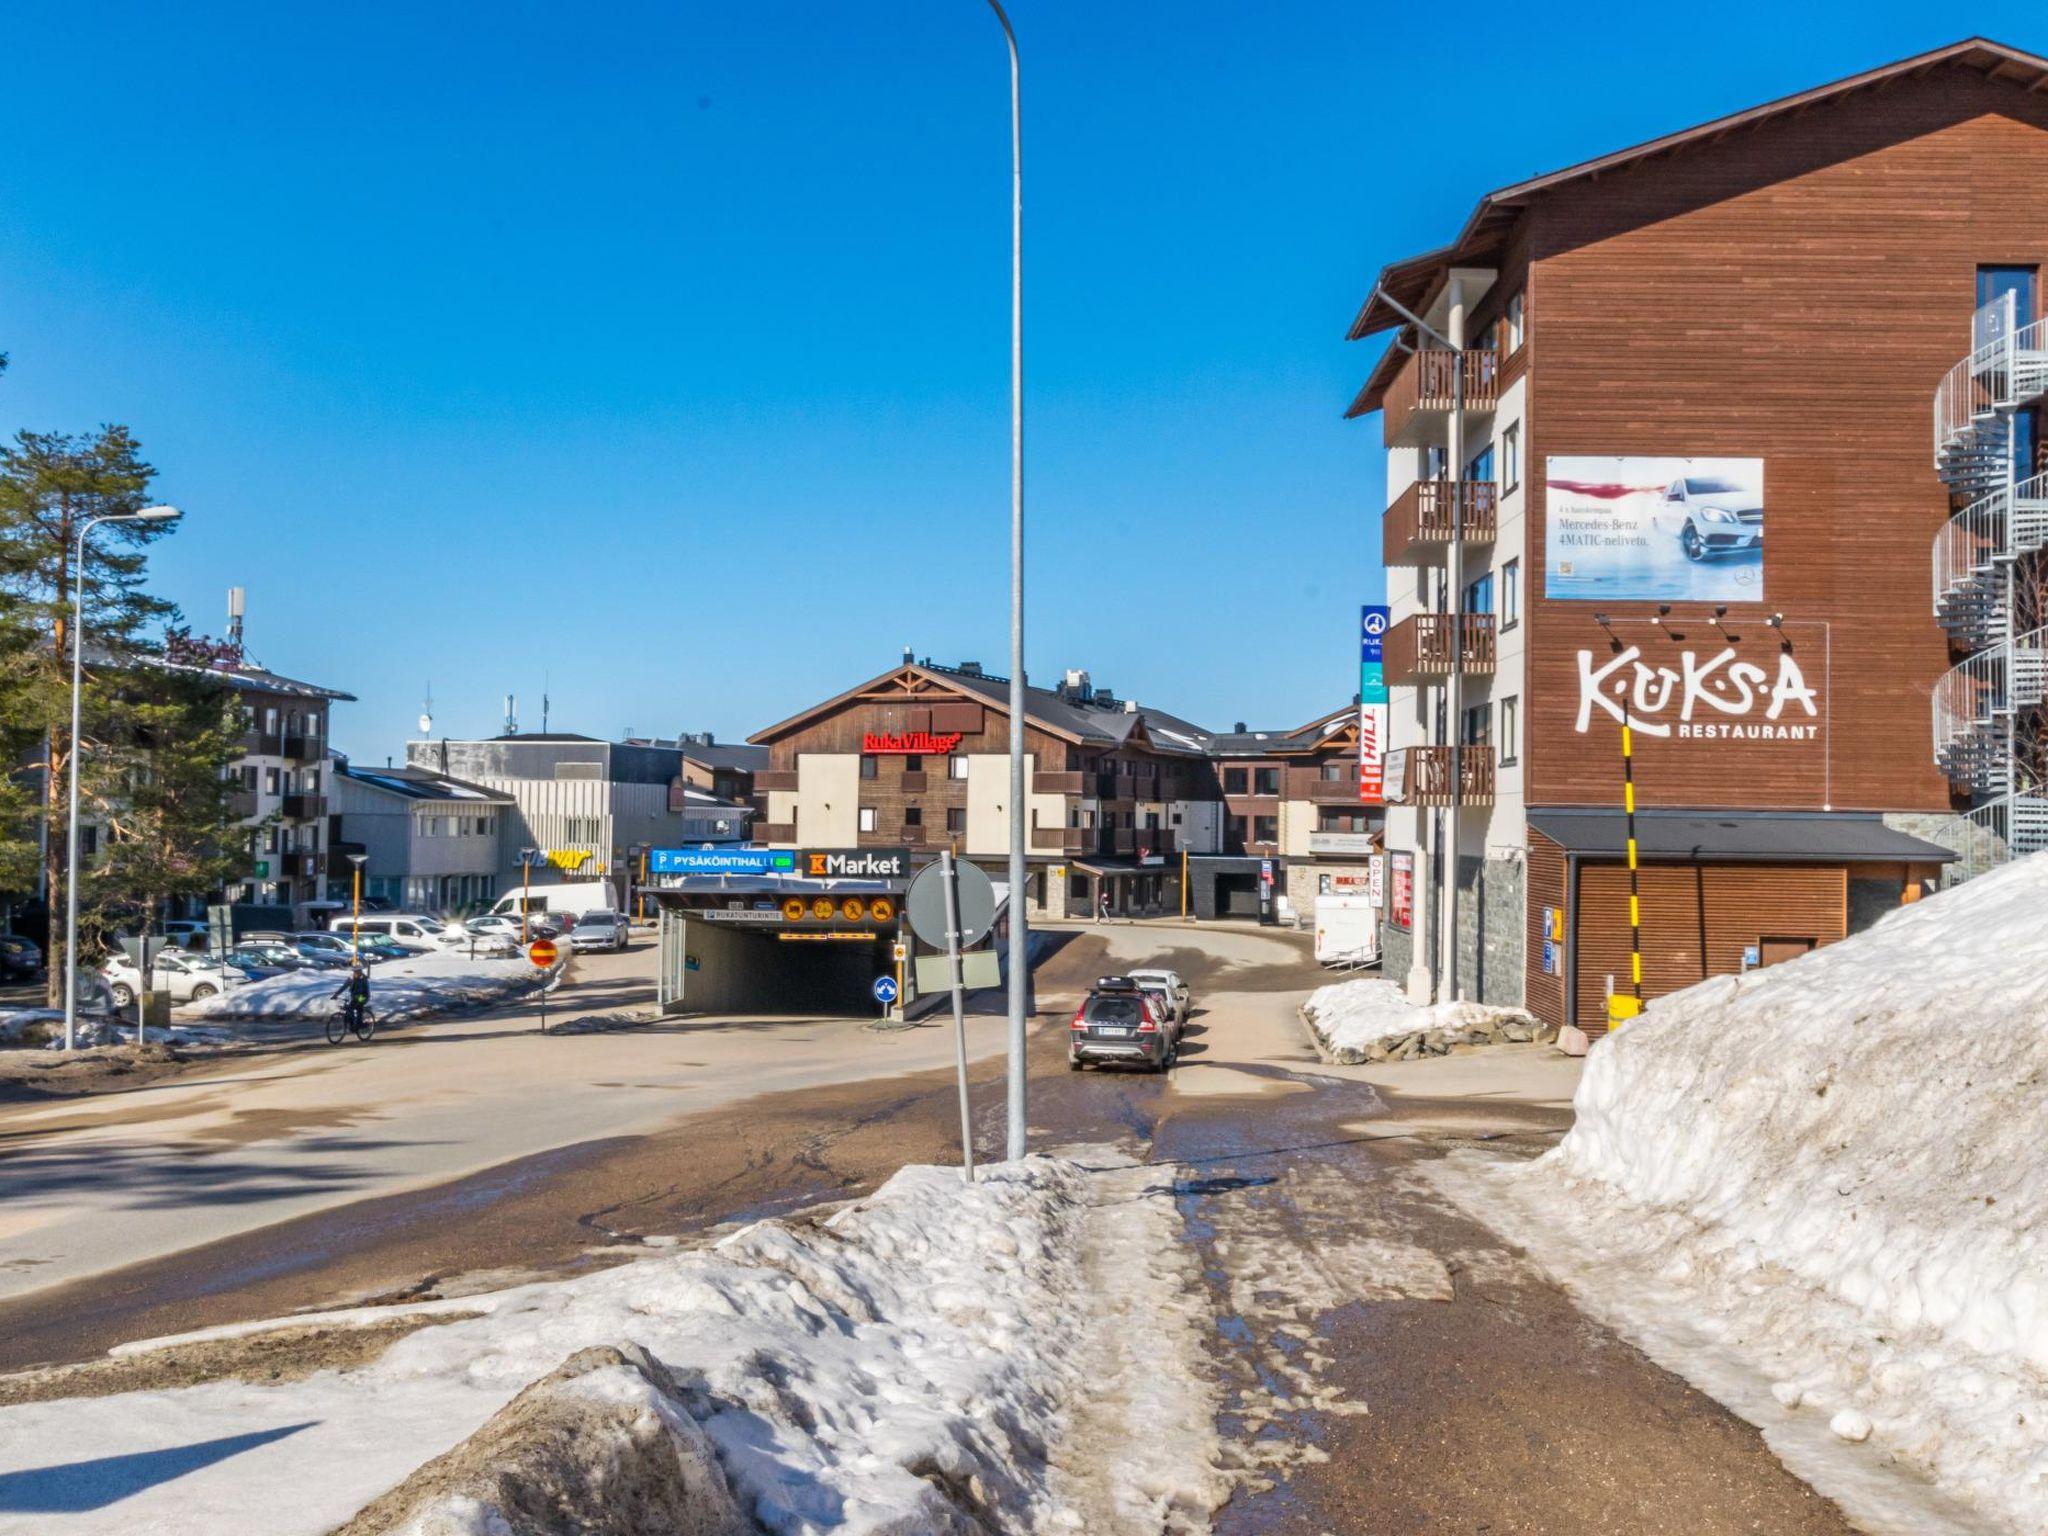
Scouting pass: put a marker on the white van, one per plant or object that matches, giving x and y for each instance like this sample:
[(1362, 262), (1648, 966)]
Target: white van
[(423, 935), (590, 896)]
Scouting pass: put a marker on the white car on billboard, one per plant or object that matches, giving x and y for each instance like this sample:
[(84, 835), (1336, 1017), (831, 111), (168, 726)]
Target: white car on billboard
[(1713, 515)]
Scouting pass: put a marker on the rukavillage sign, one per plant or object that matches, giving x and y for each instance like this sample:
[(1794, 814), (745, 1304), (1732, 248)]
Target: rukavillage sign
[(909, 743)]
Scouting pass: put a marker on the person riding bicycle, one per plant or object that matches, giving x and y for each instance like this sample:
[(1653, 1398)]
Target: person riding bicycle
[(357, 991)]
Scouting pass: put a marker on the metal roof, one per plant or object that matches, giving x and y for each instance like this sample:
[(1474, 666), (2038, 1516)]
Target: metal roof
[(421, 784), (1801, 837)]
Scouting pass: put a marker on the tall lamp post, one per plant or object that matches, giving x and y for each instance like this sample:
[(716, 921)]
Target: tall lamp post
[(356, 925), (146, 515), (1020, 971)]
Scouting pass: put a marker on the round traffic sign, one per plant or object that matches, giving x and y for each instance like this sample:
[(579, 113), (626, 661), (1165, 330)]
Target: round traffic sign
[(885, 990), (925, 903), (541, 952)]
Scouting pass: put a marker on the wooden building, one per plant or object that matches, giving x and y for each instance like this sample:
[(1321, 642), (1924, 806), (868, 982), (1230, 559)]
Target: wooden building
[(1657, 437)]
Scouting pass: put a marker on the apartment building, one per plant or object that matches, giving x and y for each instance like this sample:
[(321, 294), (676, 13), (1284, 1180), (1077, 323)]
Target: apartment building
[(283, 774), (430, 843), (1657, 448)]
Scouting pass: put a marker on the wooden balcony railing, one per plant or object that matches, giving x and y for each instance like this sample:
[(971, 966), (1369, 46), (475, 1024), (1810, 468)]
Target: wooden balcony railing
[(915, 783), (242, 802), (1424, 392), (766, 779), (1054, 783), (303, 807), (1342, 791), (1063, 839), (1417, 528), (775, 832), (1422, 776), (1425, 646)]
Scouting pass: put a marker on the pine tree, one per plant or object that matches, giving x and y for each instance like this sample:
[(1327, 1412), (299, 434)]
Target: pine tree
[(51, 484)]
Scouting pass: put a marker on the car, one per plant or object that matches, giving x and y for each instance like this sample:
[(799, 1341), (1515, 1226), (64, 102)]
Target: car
[(19, 957), (186, 977), (1712, 515), (540, 925), (1119, 1022), (374, 950), (601, 930), (416, 931), (262, 964), (1171, 988)]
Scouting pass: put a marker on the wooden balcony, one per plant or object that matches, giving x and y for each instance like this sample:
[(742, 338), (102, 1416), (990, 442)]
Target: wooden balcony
[(775, 832), (1342, 791), (242, 803), (1422, 776), (1424, 392), (1427, 646), (766, 779), (1052, 783), (1417, 528), (1063, 839), (302, 807), (915, 783)]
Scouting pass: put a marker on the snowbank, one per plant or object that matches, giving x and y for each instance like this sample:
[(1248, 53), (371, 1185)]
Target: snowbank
[(901, 1367), (1348, 1017), (399, 990), (1832, 1173)]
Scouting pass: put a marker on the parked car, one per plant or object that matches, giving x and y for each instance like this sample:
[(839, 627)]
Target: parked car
[(186, 977), (19, 957), (1118, 1022), (600, 930), (417, 932), (1168, 986), (1712, 515), (261, 966), (540, 925), (374, 949)]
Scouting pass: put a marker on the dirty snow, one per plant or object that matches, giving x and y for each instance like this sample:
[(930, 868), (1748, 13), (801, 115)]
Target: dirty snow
[(399, 990), (1819, 1190), (909, 1364), (1348, 1016)]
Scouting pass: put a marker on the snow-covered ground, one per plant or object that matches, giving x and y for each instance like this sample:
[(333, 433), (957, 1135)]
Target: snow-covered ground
[(1348, 1016), (914, 1363), (399, 990), (1821, 1190)]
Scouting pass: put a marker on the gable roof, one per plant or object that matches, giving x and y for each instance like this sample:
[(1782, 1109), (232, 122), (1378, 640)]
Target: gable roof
[(1413, 281)]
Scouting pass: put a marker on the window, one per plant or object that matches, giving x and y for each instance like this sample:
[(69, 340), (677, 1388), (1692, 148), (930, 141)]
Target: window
[(1265, 781), (1511, 457), (1480, 465), (912, 763), (1478, 731), (1511, 323), (1479, 595), (1334, 819), (1433, 463), (1266, 829), (270, 722), (956, 766), (867, 818), (1511, 594), (869, 767), (956, 818), (271, 781), (1236, 826), (1234, 780), (1337, 772), (913, 815), (1510, 729)]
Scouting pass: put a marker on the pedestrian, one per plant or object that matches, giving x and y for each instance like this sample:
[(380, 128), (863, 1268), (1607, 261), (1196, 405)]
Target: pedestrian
[(1103, 908)]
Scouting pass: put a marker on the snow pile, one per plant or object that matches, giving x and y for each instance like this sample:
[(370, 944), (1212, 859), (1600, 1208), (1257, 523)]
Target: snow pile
[(104, 1030), (1349, 1017), (1829, 1176), (902, 1366), (399, 990)]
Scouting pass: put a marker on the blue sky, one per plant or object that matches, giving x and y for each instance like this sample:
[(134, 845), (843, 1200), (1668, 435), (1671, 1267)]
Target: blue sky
[(660, 353)]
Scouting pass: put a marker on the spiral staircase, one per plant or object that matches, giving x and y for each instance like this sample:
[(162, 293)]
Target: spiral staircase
[(1988, 708)]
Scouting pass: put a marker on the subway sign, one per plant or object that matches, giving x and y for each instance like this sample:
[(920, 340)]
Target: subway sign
[(721, 861), (910, 743), (857, 863)]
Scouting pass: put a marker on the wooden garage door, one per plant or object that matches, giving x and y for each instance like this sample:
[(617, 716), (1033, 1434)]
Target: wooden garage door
[(1697, 920)]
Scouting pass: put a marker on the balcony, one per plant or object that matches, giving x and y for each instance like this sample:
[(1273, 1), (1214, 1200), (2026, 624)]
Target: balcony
[(1057, 783), (1307, 784), (1422, 776), (775, 832), (767, 779), (242, 803), (1063, 839), (916, 783), (304, 807), (1421, 398), (1425, 646), (1417, 528)]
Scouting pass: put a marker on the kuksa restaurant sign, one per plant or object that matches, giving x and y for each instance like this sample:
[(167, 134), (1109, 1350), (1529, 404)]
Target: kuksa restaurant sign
[(910, 743), (1715, 699)]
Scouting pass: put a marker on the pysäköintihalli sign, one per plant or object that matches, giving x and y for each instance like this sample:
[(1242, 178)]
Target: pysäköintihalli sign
[(910, 743)]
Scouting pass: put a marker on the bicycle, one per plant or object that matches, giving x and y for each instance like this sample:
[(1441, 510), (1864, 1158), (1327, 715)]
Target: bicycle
[(354, 1014)]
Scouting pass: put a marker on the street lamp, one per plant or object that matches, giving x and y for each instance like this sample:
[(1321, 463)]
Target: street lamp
[(1020, 977), (356, 926), (528, 857), (146, 515)]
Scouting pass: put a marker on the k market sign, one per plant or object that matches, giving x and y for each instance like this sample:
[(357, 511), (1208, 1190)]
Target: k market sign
[(857, 863), (1715, 698)]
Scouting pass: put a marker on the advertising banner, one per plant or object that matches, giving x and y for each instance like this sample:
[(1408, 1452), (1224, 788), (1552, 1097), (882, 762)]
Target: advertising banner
[(1661, 529), (1372, 704), (1401, 890)]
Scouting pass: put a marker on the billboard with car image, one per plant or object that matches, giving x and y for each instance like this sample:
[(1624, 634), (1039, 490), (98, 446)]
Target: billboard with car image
[(1666, 529)]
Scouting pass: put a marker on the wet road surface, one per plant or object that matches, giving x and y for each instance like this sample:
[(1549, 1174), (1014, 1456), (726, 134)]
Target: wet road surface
[(1386, 1365)]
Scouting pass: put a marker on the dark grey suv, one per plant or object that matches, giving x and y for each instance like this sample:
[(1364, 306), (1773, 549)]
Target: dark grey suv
[(1118, 1023)]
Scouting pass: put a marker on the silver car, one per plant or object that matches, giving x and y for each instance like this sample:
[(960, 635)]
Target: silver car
[(600, 930)]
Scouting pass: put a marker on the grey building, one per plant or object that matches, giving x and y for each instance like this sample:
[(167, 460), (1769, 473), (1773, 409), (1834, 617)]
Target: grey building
[(431, 843)]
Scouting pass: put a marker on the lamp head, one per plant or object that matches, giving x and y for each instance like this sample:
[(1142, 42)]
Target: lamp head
[(160, 514)]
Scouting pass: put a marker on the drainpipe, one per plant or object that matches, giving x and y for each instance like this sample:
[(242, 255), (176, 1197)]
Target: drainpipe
[(1454, 685)]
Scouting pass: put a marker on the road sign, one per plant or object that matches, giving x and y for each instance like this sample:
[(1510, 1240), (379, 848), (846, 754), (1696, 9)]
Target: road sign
[(722, 861), (541, 952), (925, 905), (899, 952), (884, 990)]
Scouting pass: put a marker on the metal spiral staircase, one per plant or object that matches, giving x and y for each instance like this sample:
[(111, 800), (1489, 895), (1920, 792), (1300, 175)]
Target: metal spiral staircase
[(1987, 709)]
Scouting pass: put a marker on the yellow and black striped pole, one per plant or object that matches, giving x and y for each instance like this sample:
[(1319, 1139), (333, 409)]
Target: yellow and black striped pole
[(1621, 1009)]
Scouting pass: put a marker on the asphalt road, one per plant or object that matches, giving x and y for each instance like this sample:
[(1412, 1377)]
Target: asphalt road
[(1385, 1364)]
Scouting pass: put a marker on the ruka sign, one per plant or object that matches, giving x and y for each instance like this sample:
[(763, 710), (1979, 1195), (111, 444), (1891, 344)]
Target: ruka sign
[(1719, 698), (910, 743)]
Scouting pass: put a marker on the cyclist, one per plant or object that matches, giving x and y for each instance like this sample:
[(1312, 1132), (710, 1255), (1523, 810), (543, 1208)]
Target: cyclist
[(356, 991)]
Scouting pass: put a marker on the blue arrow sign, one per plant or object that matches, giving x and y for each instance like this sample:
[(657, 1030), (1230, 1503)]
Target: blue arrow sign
[(885, 990)]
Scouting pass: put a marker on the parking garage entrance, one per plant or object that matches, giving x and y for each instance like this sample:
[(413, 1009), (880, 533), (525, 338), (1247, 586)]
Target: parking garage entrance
[(783, 945)]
